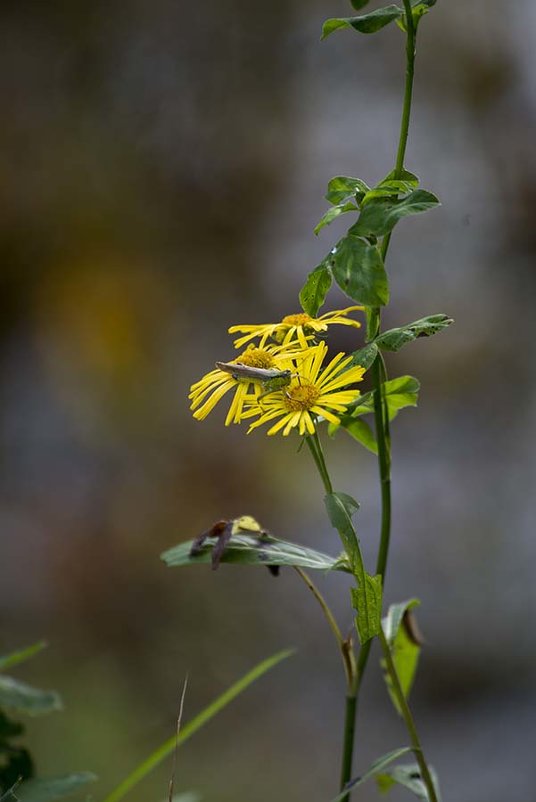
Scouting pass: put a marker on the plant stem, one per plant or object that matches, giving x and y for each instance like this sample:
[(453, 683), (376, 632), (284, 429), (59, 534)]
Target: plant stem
[(379, 373), (408, 719), (348, 741), (315, 447), (348, 658)]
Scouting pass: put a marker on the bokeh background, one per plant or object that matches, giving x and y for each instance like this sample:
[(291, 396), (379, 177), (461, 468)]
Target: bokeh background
[(162, 166)]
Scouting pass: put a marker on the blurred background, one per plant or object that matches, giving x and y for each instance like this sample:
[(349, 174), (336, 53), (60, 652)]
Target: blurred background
[(162, 166)]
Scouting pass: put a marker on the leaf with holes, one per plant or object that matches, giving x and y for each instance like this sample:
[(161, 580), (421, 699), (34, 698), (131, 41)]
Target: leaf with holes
[(367, 602), (395, 339)]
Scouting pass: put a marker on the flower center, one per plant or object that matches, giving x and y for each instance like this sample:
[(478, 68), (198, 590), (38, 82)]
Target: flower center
[(299, 397), (256, 358), (300, 319)]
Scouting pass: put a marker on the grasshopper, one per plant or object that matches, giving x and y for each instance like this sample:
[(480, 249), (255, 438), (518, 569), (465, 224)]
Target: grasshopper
[(270, 378)]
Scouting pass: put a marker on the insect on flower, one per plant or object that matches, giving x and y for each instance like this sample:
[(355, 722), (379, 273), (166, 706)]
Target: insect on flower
[(270, 378), (223, 531)]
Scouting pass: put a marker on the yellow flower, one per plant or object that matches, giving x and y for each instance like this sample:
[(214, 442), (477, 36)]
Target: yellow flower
[(313, 391), (206, 392), (299, 327)]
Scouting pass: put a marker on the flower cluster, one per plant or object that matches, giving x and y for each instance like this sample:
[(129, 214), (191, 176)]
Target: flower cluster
[(285, 379)]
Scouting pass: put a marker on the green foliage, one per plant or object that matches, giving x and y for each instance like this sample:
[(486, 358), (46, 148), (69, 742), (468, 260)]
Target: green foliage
[(404, 646), (408, 776), (47, 790), (344, 187), (377, 766), (419, 9), (315, 289), (250, 550), (27, 699), (366, 355), (399, 393), (394, 339), (13, 659), (195, 724), (17, 780), (335, 211), (367, 601), (360, 430), (380, 215), (15, 761), (366, 23), (358, 4), (340, 507), (358, 269)]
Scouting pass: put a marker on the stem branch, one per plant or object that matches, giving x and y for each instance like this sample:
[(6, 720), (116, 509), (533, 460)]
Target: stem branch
[(408, 719)]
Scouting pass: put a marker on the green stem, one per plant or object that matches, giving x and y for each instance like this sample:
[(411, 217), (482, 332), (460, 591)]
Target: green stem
[(315, 447), (408, 719), (347, 654), (348, 741), (379, 373)]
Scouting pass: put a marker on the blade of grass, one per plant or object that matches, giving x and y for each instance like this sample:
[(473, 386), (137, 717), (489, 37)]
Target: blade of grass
[(13, 659), (146, 766)]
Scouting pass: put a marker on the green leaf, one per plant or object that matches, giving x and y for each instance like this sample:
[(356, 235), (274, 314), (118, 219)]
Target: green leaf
[(251, 550), (361, 431), (419, 9), (365, 356), (367, 601), (387, 189), (344, 187), (314, 291), (350, 504), (404, 175), (334, 212), (340, 514), (366, 23), (359, 271), (13, 659), (401, 392), (191, 727), (27, 699), (46, 790), (404, 644), (379, 765), (408, 776), (380, 216), (394, 339), (358, 4)]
